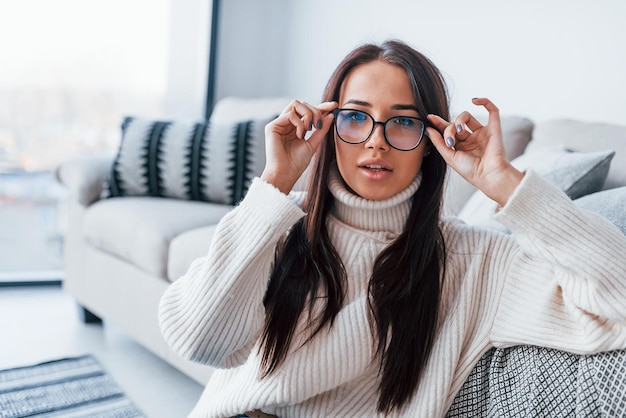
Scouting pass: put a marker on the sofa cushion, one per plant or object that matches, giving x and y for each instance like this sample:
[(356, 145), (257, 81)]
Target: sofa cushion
[(212, 162), (187, 247), (516, 134), (139, 229), (609, 203), (584, 136), (575, 173)]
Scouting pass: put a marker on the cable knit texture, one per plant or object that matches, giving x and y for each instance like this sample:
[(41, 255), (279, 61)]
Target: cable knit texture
[(556, 281)]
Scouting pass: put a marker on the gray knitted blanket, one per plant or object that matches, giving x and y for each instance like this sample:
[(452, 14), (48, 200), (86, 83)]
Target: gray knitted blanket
[(528, 381)]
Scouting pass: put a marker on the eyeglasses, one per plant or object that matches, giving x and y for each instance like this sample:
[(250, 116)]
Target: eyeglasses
[(403, 133)]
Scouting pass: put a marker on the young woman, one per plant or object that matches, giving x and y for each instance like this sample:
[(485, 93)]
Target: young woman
[(356, 299)]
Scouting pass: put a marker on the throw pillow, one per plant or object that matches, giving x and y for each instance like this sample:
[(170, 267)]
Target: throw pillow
[(575, 173), (542, 382), (609, 203), (204, 161)]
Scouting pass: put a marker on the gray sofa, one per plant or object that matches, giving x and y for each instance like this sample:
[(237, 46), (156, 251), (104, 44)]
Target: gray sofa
[(122, 253)]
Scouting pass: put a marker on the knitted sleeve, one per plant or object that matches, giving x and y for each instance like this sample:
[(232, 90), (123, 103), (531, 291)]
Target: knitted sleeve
[(214, 313), (565, 285)]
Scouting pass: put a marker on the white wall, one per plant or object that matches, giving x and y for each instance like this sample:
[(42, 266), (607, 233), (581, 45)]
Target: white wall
[(538, 58)]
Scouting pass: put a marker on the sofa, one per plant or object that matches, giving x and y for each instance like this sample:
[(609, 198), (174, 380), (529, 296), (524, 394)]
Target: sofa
[(131, 232)]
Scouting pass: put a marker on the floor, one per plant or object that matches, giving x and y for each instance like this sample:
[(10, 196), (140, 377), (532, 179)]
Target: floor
[(40, 323)]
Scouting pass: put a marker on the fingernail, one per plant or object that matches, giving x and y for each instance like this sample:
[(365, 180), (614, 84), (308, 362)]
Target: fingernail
[(449, 141), (319, 124), (459, 129), (310, 125)]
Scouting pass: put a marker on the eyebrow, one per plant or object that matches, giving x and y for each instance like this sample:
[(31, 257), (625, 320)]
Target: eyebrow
[(394, 107)]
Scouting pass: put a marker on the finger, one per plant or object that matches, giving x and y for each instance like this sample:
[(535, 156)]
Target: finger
[(492, 109), (298, 123), (319, 134), (290, 107), (444, 128), (463, 120), (326, 107), (320, 111), (283, 127), (304, 112), (311, 115), (308, 114), (437, 140), (438, 122)]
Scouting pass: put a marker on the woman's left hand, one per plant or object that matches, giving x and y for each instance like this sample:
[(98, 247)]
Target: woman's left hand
[(476, 152)]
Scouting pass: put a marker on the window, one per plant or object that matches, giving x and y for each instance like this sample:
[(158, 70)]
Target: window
[(71, 69)]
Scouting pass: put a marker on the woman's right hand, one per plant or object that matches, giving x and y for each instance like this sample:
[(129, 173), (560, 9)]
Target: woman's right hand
[(287, 151)]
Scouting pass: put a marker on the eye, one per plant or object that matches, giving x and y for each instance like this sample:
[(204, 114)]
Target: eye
[(356, 116), (404, 121)]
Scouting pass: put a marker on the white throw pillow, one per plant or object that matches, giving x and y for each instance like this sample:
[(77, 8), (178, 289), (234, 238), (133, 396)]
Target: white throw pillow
[(575, 173)]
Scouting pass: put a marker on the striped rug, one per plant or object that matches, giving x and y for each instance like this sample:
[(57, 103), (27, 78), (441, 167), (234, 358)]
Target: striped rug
[(71, 387)]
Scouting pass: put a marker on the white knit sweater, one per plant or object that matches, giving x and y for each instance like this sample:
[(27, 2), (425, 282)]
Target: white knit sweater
[(559, 280)]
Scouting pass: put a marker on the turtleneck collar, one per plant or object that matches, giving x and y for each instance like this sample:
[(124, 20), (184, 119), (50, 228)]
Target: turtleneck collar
[(387, 215)]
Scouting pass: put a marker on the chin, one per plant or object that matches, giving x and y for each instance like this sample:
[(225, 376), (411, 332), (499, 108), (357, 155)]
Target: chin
[(370, 194)]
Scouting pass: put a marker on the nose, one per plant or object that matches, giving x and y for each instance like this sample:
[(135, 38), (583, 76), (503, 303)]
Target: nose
[(377, 137)]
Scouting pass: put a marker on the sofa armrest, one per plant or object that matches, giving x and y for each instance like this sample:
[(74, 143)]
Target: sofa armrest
[(84, 176)]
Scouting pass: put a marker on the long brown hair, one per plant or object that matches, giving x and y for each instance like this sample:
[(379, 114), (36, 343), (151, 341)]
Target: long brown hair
[(404, 289)]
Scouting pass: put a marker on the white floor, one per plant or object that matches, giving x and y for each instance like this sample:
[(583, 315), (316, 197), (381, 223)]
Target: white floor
[(40, 323)]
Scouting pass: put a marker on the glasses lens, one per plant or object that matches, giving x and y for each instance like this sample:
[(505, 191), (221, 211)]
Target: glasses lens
[(404, 133), (353, 126)]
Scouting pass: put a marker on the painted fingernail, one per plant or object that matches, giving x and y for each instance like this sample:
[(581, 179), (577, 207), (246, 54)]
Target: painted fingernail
[(319, 124), (459, 129), (449, 141)]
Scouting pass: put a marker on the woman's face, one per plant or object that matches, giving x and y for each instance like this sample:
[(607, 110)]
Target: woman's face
[(373, 169)]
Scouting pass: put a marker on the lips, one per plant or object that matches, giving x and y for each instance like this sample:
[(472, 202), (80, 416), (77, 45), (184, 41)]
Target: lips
[(377, 165)]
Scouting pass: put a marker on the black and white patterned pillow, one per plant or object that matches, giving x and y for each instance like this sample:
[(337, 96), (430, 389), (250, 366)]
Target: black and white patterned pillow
[(529, 381), (205, 161)]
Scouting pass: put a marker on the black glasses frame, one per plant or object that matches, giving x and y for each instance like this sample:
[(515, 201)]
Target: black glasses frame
[(425, 124)]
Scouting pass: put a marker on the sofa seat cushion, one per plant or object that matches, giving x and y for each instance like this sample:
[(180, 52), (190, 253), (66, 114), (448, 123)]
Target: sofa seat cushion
[(187, 247), (139, 229)]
